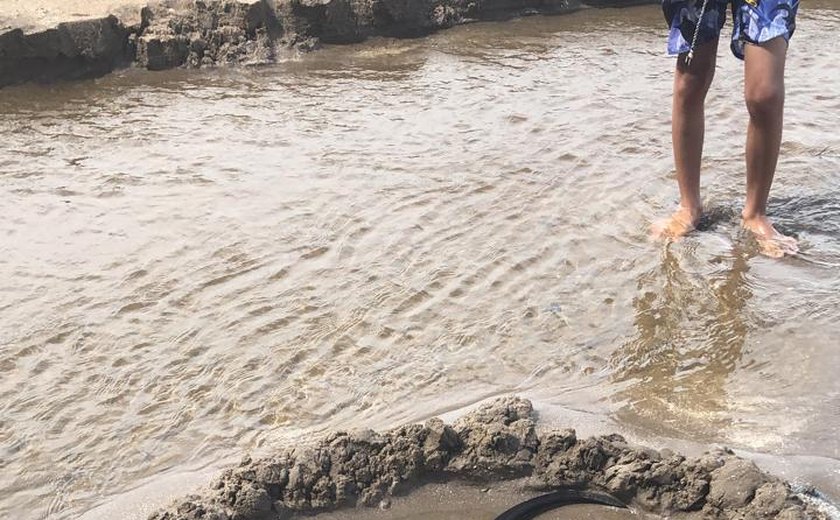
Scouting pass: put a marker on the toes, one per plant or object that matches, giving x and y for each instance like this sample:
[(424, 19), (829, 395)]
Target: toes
[(788, 244), (770, 249), (779, 247), (773, 253)]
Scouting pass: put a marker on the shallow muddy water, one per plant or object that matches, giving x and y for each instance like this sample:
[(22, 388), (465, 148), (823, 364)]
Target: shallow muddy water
[(198, 264), (457, 501)]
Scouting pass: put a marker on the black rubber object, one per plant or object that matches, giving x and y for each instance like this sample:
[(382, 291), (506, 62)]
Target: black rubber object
[(565, 497)]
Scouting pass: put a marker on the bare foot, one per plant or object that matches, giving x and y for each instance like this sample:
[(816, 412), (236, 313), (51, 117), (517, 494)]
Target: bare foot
[(681, 223), (772, 243)]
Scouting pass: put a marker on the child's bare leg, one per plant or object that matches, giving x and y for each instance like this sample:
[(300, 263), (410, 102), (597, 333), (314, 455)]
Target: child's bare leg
[(691, 83), (764, 92)]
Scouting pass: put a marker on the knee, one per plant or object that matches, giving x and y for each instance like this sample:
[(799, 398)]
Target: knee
[(765, 100), (691, 89)]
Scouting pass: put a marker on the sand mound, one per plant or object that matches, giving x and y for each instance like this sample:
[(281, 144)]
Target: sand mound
[(498, 441)]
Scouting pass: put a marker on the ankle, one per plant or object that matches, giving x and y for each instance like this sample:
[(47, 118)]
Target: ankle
[(749, 215), (692, 209)]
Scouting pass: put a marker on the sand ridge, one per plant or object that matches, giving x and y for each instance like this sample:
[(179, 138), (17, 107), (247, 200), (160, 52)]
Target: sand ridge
[(499, 441)]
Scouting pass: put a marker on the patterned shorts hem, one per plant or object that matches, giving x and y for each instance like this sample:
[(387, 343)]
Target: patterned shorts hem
[(678, 45), (737, 46), (754, 21)]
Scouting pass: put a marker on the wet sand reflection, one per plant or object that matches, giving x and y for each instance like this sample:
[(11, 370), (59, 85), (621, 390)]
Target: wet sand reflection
[(690, 333)]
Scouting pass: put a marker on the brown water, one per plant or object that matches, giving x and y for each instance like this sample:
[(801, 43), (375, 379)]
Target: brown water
[(194, 265), (458, 501)]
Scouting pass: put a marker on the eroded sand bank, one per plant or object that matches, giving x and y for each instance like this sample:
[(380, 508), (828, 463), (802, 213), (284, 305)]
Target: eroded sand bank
[(497, 442), (48, 40)]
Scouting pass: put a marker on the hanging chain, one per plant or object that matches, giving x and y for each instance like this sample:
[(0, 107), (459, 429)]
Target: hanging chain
[(690, 55)]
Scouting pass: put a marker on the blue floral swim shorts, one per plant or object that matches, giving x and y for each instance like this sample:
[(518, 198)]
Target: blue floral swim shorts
[(755, 21)]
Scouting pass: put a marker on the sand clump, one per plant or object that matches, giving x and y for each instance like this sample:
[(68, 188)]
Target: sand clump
[(498, 441)]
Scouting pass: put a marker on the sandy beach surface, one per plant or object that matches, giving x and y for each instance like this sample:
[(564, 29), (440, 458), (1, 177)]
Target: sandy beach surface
[(38, 15)]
